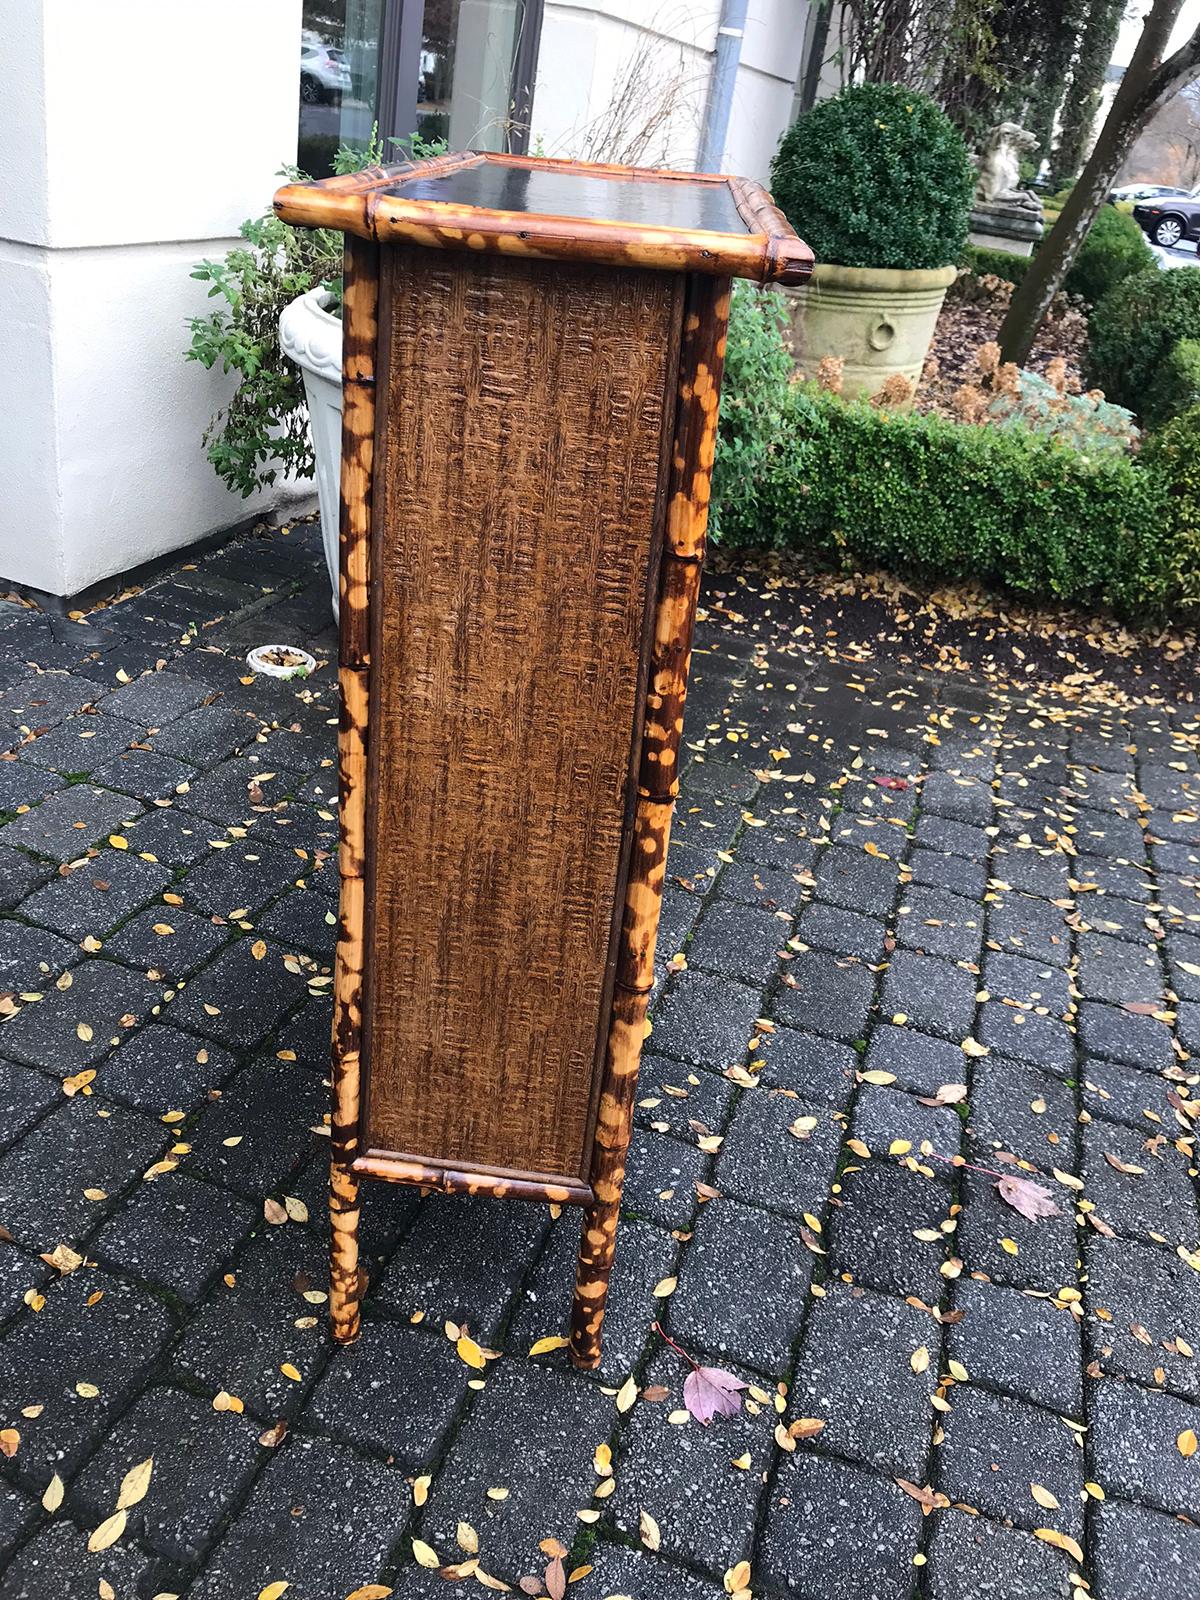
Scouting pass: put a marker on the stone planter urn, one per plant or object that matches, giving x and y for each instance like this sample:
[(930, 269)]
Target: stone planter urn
[(879, 320), (312, 337)]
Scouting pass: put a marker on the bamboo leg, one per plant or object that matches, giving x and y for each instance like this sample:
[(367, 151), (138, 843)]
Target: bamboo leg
[(346, 1279), (702, 357)]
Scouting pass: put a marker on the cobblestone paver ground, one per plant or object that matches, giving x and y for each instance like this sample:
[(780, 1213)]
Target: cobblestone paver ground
[(926, 928)]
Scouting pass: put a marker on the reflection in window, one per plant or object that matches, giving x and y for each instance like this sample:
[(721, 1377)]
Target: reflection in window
[(339, 78), (464, 91)]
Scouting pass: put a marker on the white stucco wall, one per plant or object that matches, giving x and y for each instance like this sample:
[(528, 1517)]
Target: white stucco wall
[(125, 180), (585, 60)]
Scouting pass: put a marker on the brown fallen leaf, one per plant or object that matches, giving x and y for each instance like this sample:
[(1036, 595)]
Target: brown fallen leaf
[(1127, 1167), (928, 1499), (1031, 1199)]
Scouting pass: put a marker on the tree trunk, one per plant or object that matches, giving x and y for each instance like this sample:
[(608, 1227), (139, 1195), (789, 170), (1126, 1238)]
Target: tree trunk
[(1148, 82)]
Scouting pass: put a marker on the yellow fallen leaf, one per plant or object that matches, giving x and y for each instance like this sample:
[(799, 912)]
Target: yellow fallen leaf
[(10, 1441), (874, 1075), (118, 841), (627, 1395), (649, 1531), (370, 1591), (135, 1483), (86, 1390), (289, 1371), (426, 1555), (664, 1287), (83, 1030), (1043, 1497), (738, 1577), (224, 1401), (421, 1489), (469, 1352), (1009, 1246), (1060, 1541), (498, 1493), (551, 1341), (1186, 1443), (919, 1360), (274, 1590), (258, 949), (109, 1531), (957, 1371), (972, 1047), (467, 1538), (53, 1496)]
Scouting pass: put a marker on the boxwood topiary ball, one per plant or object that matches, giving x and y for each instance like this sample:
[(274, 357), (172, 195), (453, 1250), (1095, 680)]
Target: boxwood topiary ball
[(876, 177)]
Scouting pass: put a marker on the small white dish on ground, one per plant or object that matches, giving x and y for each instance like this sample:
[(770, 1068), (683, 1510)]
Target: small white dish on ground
[(281, 661)]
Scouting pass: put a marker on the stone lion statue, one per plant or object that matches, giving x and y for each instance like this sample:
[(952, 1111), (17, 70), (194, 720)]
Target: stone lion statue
[(1000, 168)]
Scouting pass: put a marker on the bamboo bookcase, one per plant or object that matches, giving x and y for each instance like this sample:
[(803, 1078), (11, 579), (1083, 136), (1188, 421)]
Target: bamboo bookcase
[(532, 364)]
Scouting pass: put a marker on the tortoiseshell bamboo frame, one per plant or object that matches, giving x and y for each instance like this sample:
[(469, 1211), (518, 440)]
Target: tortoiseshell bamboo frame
[(775, 254), (768, 252)]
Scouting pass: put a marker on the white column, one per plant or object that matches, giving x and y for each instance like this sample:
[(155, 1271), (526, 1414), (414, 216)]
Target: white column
[(135, 137)]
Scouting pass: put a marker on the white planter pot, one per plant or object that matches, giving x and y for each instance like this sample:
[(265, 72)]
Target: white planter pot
[(312, 337), (879, 320)]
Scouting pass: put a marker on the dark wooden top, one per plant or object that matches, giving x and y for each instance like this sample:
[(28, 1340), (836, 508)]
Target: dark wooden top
[(562, 210)]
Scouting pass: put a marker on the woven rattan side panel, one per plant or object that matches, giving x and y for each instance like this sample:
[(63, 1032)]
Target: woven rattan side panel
[(517, 516)]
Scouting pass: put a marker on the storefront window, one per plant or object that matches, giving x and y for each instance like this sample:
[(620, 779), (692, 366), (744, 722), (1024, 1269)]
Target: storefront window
[(339, 78), (465, 90), (454, 70)]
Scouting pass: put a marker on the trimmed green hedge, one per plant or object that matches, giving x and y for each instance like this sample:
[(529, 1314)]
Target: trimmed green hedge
[(1133, 334), (853, 487), (1114, 250), (1174, 453), (1175, 387), (996, 263)]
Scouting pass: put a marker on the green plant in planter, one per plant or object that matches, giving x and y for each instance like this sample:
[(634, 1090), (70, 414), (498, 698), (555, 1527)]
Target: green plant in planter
[(878, 176), (263, 431)]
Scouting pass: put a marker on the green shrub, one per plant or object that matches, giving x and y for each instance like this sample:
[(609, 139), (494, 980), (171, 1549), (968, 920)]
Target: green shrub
[(1175, 387), (1133, 331), (852, 487), (1174, 452), (1115, 248), (878, 176), (757, 372), (997, 263)]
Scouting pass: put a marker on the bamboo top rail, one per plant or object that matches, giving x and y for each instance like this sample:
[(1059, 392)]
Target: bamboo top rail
[(561, 211)]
